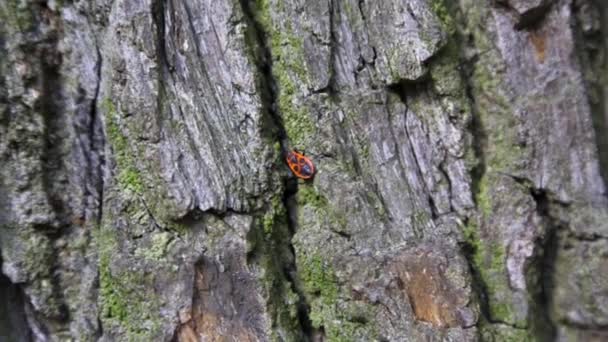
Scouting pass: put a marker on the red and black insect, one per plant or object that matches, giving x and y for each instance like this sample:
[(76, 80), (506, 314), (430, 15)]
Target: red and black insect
[(300, 165)]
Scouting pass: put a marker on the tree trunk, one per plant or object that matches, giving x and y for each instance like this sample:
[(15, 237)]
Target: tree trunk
[(460, 148)]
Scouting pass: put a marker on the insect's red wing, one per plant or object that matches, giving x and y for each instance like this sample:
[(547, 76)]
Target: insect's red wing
[(306, 167), (300, 165)]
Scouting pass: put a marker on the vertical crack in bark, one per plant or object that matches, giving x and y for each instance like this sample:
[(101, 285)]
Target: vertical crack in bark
[(13, 320), (333, 46), (478, 140), (592, 49), (53, 172), (97, 146), (158, 15), (274, 129), (266, 84), (360, 5), (50, 108), (290, 203), (330, 88), (95, 158), (478, 171), (97, 138), (603, 107), (542, 322)]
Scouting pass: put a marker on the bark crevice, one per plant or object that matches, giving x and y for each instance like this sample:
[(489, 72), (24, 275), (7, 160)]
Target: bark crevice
[(274, 129), (593, 55), (13, 320), (541, 277)]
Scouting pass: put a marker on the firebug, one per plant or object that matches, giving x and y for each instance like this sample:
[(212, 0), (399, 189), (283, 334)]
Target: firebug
[(300, 165)]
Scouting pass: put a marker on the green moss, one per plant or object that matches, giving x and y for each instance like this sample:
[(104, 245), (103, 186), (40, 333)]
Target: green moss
[(443, 13), (471, 235), (262, 14), (124, 298), (483, 197), (320, 284), (129, 176), (158, 249), (501, 153), (268, 245), (501, 311), (289, 70), (298, 124), (278, 150), (321, 288), (490, 263), (308, 196), (38, 252), (275, 215), (446, 76), (268, 223), (149, 186), (318, 278), (179, 228), (17, 14)]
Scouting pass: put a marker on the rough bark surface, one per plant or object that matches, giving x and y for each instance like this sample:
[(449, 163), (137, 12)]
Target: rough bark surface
[(461, 154)]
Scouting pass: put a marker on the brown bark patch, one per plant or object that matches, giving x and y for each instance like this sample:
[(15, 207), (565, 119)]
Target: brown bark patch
[(223, 308), (539, 42), (433, 298), (185, 333)]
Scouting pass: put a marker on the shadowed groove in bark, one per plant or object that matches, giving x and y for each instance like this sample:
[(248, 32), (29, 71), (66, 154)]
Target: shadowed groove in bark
[(260, 53), (54, 138), (330, 88), (478, 141), (593, 47), (13, 319), (97, 143), (158, 15), (529, 19), (543, 324), (50, 108), (274, 129), (479, 138)]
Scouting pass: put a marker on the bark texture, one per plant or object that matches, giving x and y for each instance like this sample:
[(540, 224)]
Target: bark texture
[(461, 150)]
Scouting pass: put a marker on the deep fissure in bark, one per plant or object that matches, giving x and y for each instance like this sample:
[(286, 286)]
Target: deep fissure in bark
[(543, 265), (290, 270), (54, 138), (13, 320), (97, 143), (478, 140), (529, 19), (275, 130), (272, 122), (592, 48), (50, 109), (478, 285), (330, 88), (158, 15)]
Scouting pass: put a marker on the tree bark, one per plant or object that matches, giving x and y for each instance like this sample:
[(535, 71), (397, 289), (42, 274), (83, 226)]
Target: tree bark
[(461, 156)]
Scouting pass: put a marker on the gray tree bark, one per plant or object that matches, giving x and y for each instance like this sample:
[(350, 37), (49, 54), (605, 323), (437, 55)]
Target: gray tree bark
[(461, 150)]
